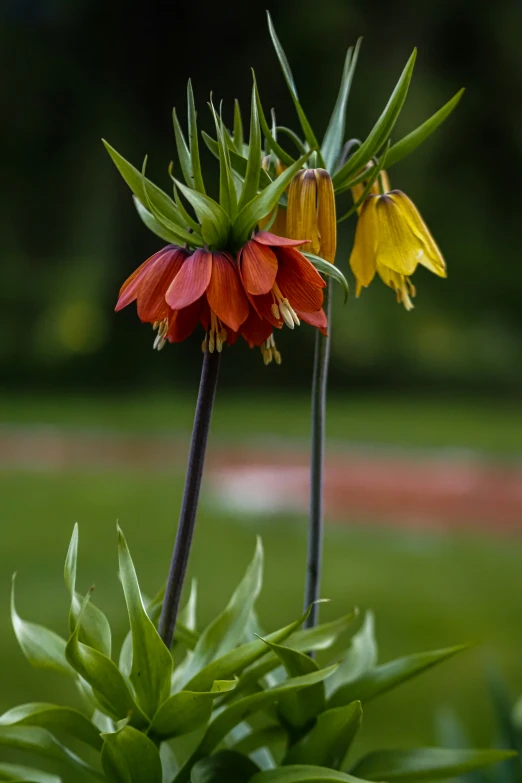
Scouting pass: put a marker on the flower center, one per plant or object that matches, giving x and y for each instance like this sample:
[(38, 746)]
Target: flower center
[(162, 328), (270, 352), (217, 334), (281, 308)]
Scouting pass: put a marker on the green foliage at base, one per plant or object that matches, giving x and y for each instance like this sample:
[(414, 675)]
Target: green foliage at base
[(228, 703)]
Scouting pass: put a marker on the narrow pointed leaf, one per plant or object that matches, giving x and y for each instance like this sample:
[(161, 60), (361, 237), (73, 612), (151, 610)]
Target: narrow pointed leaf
[(287, 73), (426, 763), (227, 190), (291, 135), (267, 133), (379, 134), (152, 663), (134, 180), (264, 202), (234, 662), (261, 738), (107, 683), (226, 765), (238, 128), (16, 772), (360, 657), (238, 162), (300, 707), (215, 223), (128, 756), (253, 169), (187, 217), (181, 232), (157, 228), (383, 678), (33, 739), (328, 742), (94, 627), (410, 142), (334, 136), (187, 710), (183, 151), (197, 174), (43, 648), (236, 713), (51, 716), (302, 773), (224, 633), (326, 268)]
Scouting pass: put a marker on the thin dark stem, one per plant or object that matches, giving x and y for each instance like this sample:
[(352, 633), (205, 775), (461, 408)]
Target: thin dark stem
[(315, 529), (189, 505)]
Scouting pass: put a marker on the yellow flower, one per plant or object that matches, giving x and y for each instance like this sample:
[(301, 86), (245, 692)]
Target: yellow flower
[(357, 190), (311, 212), (391, 239)]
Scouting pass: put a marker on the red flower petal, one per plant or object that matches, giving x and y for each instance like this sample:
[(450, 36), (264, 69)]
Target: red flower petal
[(192, 280), (266, 238), (154, 283), (258, 266), (263, 307), (129, 290), (317, 319), (183, 322), (225, 293), (255, 330), (299, 282)]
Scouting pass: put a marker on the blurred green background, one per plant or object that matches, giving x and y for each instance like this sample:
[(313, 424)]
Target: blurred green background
[(445, 378)]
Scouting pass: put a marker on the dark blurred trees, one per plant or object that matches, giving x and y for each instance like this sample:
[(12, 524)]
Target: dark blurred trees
[(76, 71)]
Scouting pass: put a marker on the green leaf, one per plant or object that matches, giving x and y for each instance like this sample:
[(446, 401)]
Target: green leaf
[(333, 138), (238, 128), (16, 772), (157, 228), (225, 631), (234, 714), (238, 659), (183, 151), (289, 79), (291, 135), (215, 223), (33, 739), (326, 268), (276, 148), (360, 657), (253, 169), (181, 233), (383, 678), (51, 716), (227, 190), (43, 648), (94, 626), (300, 707), (227, 765), (152, 664), (238, 162), (187, 616), (261, 738), (187, 710), (163, 203), (197, 174), (106, 680), (328, 742), (410, 142), (379, 134), (128, 756), (263, 203), (302, 773), (372, 174), (426, 763), (305, 640)]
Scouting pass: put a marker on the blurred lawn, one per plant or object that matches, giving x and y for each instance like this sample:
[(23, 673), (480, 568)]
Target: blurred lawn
[(428, 590)]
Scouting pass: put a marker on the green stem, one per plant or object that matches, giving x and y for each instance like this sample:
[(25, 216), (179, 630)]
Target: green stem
[(189, 505), (315, 529)]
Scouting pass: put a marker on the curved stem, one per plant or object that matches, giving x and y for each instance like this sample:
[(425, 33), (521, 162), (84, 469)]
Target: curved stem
[(315, 529), (189, 505)]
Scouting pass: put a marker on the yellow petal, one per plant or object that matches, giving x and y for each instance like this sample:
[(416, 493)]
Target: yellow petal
[(362, 259), (294, 207), (326, 217), (400, 284), (398, 247), (431, 258)]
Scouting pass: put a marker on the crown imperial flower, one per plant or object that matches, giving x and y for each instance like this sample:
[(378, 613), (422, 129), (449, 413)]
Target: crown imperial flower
[(392, 239), (311, 212)]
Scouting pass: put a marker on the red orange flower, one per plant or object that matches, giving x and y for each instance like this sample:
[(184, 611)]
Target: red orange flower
[(282, 284)]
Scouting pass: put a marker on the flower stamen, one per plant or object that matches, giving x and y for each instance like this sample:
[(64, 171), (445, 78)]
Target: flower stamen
[(270, 352), (162, 328), (217, 334), (285, 309)]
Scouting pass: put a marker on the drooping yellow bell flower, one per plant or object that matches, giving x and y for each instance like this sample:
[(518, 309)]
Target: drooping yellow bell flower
[(311, 212), (391, 239)]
